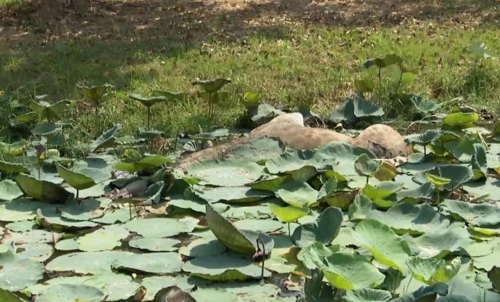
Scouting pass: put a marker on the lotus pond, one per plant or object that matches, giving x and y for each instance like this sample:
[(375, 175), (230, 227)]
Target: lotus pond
[(265, 224)]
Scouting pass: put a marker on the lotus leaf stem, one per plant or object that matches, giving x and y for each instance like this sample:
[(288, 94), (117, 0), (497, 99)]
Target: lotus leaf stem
[(263, 250)]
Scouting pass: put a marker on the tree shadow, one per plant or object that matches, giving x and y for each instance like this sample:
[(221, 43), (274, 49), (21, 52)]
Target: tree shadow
[(46, 43)]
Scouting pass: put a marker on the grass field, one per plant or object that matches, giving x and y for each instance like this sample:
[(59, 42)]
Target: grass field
[(292, 52)]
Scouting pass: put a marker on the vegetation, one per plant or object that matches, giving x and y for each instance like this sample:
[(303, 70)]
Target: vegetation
[(95, 117)]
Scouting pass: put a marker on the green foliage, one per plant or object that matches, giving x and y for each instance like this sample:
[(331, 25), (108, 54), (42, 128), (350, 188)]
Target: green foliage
[(354, 223)]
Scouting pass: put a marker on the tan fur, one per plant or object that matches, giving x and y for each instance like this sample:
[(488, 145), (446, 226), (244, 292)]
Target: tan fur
[(380, 139), (380, 135)]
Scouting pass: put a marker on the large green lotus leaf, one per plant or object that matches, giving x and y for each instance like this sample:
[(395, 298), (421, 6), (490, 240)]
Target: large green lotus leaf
[(347, 271), (34, 236), (86, 262), (366, 166), (360, 207), (345, 237), (70, 292), (490, 260), (258, 210), (297, 193), (224, 268), (415, 219), (76, 180), (484, 215), (241, 241), (35, 251), (315, 253), (341, 156), (106, 238), (459, 174), (47, 173), (226, 173), (211, 85), (423, 269), (50, 218), (425, 138), (155, 244), (7, 296), (438, 243), (113, 216), (20, 209), (22, 226), (463, 149), (148, 162), (9, 190), (367, 294), (153, 263), (385, 245), (258, 149), (333, 155), (240, 291), (470, 291), (292, 160), (46, 129), (88, 209), (328, 188), (106, 140), (448, 271), (288, 214), (203, 247), (161, 227), (382, 190), (41, 189), (270, 182), (324, 229), (18, 272), (489, 186), (155, 283), (12, 168), (49, 111), (147, 101), (67, 245), (83, 178), (426, 293), (98, 190), (420, 193), (118, 287), (258, 225), (229, 194)]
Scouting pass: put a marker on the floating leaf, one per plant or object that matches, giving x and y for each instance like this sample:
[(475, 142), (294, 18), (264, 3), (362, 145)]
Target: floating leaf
[(324, 229), (230, 172), (17, 272), (9, 190), (41, 189), (288, 214), (366, 166), (387, 247), (70, 292)]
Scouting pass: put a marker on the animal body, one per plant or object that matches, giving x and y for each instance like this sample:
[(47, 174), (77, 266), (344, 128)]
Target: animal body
[(380, 139)]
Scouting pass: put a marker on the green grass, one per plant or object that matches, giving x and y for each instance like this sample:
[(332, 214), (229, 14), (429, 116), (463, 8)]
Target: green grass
[(289, 63)]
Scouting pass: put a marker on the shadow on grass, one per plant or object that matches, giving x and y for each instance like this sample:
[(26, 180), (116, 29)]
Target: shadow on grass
[(47, 48), (98, 39)]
